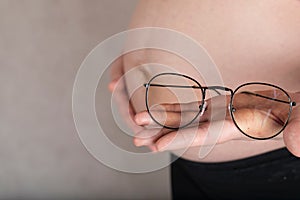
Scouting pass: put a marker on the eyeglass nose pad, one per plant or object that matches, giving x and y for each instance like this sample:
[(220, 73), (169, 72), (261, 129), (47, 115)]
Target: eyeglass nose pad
[(202, 108), (231, 108)]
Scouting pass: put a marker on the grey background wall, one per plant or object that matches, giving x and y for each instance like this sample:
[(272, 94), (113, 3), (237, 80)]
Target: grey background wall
[(42, 44)]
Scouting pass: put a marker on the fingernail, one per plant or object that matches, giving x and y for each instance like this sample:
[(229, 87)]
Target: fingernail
[(136, 142), (111, 86), (153, 149)]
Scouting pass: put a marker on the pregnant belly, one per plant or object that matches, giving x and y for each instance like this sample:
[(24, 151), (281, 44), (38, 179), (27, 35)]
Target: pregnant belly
[(248, 41), (232, 150)]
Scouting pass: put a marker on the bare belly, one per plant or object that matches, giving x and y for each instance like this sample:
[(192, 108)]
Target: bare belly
[(248, 41)]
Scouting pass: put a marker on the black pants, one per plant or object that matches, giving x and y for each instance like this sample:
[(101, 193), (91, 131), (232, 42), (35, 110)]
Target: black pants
[(273, 175)]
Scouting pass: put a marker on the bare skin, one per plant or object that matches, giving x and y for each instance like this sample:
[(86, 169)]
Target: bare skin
[(248, 41)]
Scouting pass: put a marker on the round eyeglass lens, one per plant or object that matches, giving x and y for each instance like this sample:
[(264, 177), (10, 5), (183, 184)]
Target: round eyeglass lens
[(260, 111), (173, 100)]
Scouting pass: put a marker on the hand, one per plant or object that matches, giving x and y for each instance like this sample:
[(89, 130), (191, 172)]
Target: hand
[(166, 139), (118, 87)]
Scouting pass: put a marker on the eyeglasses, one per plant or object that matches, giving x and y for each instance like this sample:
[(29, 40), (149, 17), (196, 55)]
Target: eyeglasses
[(259, 110)]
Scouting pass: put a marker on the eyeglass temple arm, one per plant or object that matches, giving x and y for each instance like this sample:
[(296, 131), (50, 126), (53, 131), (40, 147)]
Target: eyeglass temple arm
[(262, 96), (175, 86), (215, 88), (189, 86)]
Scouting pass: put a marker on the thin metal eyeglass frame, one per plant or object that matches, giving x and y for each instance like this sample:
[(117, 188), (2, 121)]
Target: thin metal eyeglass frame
[(216, 88)]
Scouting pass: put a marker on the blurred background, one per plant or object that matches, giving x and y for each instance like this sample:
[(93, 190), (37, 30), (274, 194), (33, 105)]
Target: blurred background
[(42, 44)]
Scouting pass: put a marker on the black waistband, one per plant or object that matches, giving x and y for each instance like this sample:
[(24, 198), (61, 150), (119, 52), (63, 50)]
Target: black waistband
[(278, 155)]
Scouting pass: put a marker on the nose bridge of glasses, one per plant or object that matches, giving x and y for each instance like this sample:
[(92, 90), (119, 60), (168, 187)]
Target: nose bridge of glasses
[(146, 85), (216, 88)]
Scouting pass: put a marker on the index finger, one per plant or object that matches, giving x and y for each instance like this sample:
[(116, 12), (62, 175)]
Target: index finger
[(178, 107)]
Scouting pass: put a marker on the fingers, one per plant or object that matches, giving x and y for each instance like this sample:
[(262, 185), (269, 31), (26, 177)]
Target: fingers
[(148, 137), (170, 115), (112, 85), (170, 119), (175, 115), (177, 107), (166, 139), (116, 72), (195, 136), (120, 96), (118, 83)]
